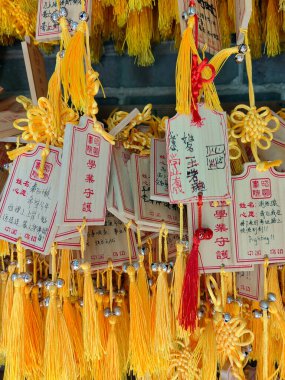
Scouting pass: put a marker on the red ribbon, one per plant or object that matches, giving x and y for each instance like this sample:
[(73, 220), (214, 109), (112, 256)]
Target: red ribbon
[(197, 82)]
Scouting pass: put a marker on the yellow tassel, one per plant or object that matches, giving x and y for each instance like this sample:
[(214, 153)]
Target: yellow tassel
[(123, 333), (166, 17), (15, 357), (64, 35), (121, 12), (232, 11), (73, 69), (135, 5), (59, 359), (139, 339), (97, 15), (112, 368), (143, 288), (7, 308), (37, 312), (3, 283), (272, 41), (91, 334), (209, 353), (224, 23), (65, 273), (254, 31), (102, 322)]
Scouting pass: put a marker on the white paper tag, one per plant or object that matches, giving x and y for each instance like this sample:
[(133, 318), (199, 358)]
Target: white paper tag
[(122, 182), (149, 212), (198, 158), (250, 284), (122, 125), (84, 181), (72, 244), (158, 171), (109, 242), (217, 253), (28, 204), (45, 29), (64, 233), (243, 14), (258, 214)]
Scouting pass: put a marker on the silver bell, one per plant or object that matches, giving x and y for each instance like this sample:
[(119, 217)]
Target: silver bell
[(154, 267), (60, 283), (200, 313), (227, 317), (55, 17), (14, 277), (242, 48), (257, 313), (248, 348), (143, 251), (184, 16), (40, 283), (83, 16), (125, 267), (163, 267), (27, 277), (107, 312), (239, 58), (62, 53), (271, 297), (191, 11), (73, 25), (150, 282), (100, 291), (230, 299), (264, 305), (75, 264), (45, 302), (121, 292), (80, 301), (244, 352), (136, 265), (29, 261), (63, 12), (170, 267), (48, 284), (239, 301), (117, 311)]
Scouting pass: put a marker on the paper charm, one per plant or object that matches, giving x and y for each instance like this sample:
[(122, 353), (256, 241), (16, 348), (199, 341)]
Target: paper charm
[(217, 253), (250, 284), (109, 242), (29, 204), (64, 233), (122, 181), (73, 244), (148, 212), (198, 157), (84, 181), (258, 215), (112, 199), (158, 171)]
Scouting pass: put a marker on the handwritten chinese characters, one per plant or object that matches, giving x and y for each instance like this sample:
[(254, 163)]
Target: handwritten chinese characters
[(158, 171), (258, 212), (250, 284), (109, 242), (150, 212), (46, 29), (197, 158), (28, 205), (85, 175)]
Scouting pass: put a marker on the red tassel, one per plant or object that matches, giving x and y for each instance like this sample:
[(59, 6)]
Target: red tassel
[(189, 296)]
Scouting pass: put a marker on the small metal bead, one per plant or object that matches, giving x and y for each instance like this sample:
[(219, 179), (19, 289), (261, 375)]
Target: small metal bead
[(117, 311), (257, 313), (45, 302), (170, 267), (48, 284), (150, 281), (163, 267), (200, 313), (62, 53), (63, 12), (125, 267), (271, 297), (143, 251), (244, 352), (136, 265), (29, 261), (80, 301), (248, 348), (154, 267), (264, 305), (55, 17), (191, 11), (73, 25), (242, 48), (184, 16), (239, 301), (75, 264), (40, 283), (83, 16), (239, 58), (230, 299), (14, 276), (122, 292), (203, 308), (27, 277), (60, 283), (227, 317), (107, 312)]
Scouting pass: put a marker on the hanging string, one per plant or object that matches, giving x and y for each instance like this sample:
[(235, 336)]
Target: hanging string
[(180, 205), (128, 226)]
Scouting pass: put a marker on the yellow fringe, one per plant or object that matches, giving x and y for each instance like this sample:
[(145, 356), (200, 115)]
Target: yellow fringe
[(272, 42)]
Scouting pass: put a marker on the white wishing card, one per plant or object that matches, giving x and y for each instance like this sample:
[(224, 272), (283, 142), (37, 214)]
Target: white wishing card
[(84, 181), (72, 244), (158, 171), (198, 157), (215, 254), (258, 215), (149, 212), (29, 204), (64, 233), (45, 29), (250, 284), (109, 242), (122, 184)]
